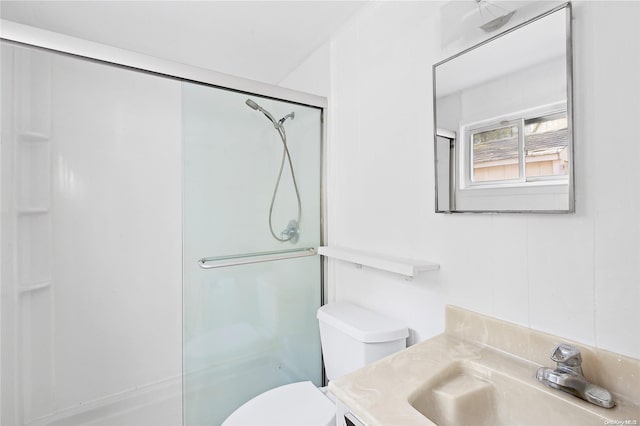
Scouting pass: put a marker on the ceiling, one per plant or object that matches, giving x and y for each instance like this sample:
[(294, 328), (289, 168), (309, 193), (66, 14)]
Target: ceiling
[(533, 44), (260, 40)]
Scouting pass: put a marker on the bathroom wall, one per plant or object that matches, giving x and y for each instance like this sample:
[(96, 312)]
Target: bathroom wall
[(519, 91), (312, 75), (572, 275)]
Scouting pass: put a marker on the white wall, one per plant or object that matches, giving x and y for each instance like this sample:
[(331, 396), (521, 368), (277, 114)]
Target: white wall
[(312, 75), (575, 275), (536, 86)]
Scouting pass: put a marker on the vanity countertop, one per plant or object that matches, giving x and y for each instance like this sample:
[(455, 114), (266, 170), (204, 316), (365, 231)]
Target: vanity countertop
[(381, 393)]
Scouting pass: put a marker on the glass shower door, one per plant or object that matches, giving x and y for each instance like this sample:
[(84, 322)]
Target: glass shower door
[(251, 326)]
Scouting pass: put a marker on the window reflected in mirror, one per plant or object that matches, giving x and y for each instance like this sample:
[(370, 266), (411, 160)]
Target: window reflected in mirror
[(546, 147), (495, 154)]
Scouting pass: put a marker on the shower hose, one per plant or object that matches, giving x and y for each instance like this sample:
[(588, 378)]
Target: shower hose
[(285, 155)]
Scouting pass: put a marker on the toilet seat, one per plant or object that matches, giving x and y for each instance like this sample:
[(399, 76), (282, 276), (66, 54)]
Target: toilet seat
[(296, 404)]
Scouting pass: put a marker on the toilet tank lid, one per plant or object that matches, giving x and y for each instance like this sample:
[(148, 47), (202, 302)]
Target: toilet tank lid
[(362, 324)]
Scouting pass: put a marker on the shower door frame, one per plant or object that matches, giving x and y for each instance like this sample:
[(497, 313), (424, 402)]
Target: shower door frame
[(37, 38)]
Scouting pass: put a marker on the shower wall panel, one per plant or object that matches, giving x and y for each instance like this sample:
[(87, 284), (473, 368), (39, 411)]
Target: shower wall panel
[(91, 261)]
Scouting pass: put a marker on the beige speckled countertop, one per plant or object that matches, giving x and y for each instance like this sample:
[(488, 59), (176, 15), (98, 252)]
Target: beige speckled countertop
[(476, 350)]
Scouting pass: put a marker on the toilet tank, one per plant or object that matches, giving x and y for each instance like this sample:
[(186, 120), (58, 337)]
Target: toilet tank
[(353, 337)]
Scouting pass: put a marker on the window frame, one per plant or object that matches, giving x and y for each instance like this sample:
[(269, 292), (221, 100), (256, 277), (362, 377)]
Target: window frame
[(516, 119)]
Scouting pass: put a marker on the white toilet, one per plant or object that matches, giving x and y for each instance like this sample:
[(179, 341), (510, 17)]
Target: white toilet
[(351, 337)]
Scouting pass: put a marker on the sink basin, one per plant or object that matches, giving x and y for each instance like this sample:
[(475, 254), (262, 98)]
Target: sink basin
[(469, 393)]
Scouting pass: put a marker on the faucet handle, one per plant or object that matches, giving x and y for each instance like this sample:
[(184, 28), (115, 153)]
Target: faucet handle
[(567, 355)]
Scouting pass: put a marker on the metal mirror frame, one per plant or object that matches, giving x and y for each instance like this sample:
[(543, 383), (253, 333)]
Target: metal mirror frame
[(570, 115)]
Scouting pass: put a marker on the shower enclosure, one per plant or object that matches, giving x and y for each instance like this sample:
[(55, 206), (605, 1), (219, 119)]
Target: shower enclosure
[(249, 304), (141, 280)]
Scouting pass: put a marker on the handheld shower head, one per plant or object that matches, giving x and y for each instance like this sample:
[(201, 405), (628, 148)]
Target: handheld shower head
[(252, 104), (257, 107), (276, 124)]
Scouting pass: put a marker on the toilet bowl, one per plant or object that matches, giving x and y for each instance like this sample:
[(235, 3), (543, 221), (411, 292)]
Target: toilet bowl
[(351, 338), (286, 406)]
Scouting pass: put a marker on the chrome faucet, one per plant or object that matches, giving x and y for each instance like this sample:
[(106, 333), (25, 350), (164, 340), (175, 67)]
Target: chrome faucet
[(568, 377)]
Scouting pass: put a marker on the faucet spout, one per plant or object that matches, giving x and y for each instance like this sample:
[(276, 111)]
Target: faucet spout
[(576, 385), (568, 377)]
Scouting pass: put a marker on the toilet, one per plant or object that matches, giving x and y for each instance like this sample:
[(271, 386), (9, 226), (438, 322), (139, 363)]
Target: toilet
[(351, 338)]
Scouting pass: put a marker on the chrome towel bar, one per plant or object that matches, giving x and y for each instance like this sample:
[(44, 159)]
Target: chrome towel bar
[(247, 258)]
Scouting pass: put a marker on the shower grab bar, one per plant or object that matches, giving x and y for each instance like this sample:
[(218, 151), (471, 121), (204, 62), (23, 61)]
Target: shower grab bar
[(247, 258)]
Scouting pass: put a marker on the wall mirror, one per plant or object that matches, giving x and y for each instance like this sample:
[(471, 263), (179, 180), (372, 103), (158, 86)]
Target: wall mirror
[(503, 121)]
